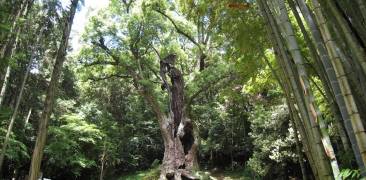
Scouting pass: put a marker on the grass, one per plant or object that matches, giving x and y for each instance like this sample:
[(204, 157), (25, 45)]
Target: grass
[(153, 174), (225, 175)]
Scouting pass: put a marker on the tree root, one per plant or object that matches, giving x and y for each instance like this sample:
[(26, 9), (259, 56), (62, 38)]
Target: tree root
[(180, 174)]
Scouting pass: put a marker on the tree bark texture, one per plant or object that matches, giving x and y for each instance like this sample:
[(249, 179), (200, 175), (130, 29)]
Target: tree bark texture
[(180, 155)]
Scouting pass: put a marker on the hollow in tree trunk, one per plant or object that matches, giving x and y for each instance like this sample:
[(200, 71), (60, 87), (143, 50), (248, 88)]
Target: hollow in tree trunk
[(180, 142)]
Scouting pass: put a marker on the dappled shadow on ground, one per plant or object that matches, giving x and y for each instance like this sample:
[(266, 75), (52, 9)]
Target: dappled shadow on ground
[(213, 174), (223, 175)]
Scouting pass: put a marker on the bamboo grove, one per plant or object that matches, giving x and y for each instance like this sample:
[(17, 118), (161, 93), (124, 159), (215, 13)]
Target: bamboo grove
[(334, 32)]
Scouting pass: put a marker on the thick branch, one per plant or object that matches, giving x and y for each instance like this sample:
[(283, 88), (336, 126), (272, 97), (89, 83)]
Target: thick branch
[(154, 72), (101, 63), (127, 4), (145, 92), (107, 50), (154, 104), (108, 77), (179, 30), (157, 53)]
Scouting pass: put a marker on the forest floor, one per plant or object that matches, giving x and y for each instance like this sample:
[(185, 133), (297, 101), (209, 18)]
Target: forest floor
[(152, 174)]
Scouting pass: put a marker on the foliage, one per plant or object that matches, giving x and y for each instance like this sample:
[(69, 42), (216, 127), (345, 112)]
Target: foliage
[(17, 151), (150, 174), (70, 143), (276, 145), (350, 174)]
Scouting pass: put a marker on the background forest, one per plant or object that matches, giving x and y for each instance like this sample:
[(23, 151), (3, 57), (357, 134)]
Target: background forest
[(264, 89)]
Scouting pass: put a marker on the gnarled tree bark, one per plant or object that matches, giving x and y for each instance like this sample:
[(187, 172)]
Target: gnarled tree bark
[(180, 156)]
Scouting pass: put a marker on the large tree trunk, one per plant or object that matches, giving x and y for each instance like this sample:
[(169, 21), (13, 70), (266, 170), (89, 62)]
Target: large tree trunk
[(180, 155), (49, 102), (180, 143)]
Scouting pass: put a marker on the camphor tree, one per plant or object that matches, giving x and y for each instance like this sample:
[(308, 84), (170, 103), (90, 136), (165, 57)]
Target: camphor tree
[(156, 56)]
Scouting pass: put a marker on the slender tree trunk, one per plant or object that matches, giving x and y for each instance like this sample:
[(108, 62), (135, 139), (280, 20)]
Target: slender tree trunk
[(329, 96), (19, 99), (341, 88), (8, 47), (298, 149), (362, 7), (291, 112), (306, 107), (355, 48), (294, 115), (202, 61), (49, 102), (232, 147), (304, 137), (329, 69), (102, 160), (342, 134), (15, 174), (28, 116), (313, 52), (321, 167), (8, 69), (314, 112), (352, 68), (351, 63), (5, 85), (351, 11), (12, 119)]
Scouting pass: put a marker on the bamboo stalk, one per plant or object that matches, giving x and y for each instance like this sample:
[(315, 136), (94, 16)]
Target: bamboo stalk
[(315, 115), (346, 94)]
